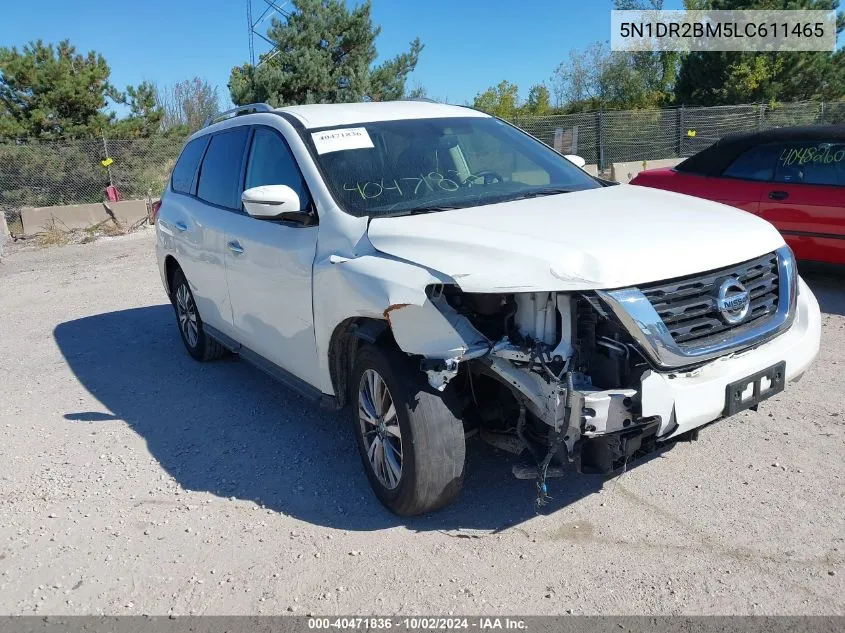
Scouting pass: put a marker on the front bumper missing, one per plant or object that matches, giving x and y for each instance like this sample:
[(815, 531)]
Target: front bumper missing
[(672, 403), (668, 402), (582, 412)]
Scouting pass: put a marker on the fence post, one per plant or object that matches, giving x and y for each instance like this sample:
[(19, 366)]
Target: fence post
[(821, 113), (681, 131), (600, 137), (761, 116), (106, 150)]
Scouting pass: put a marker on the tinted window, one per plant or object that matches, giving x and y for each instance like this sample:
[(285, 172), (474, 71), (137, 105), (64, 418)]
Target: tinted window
[(182, 179), (271, 163), (221, 168), (757, 163), (812, 164)]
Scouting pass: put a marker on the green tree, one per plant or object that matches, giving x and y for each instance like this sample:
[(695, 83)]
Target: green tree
[(51, 91), (719, 78), (145, 113), (324, 53), (599, 78), (501, 100), (539, 101)]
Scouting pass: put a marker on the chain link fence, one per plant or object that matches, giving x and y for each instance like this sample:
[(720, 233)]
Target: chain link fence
[(47, 173), (41, 173), (602, 138)]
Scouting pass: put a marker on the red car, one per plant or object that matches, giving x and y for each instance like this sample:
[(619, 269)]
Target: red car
[(792, 177)]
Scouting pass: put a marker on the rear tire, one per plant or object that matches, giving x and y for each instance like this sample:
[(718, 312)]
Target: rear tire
[(200, 345), (418, 433)]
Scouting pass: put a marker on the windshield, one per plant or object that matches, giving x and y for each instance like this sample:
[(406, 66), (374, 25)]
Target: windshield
[(426, 165)]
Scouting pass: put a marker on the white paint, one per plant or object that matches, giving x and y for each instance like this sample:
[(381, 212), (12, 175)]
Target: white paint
[(550, 325), (269, 287), (341, 139), (268, 201), (434, 330), (564, 347), (601, 238), (325, 114), (697, 398), (526, 314), (351, 267)]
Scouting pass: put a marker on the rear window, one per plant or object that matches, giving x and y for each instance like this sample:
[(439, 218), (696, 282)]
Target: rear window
[(221, 168), (182, 179)]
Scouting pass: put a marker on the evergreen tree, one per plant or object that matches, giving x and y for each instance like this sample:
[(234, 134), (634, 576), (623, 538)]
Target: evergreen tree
[(324, 54), (718, 78), (50, 92), (145, 113)]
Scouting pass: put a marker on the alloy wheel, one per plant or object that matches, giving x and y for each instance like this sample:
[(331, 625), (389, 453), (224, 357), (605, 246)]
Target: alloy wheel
[(380, 429), (186, 311)]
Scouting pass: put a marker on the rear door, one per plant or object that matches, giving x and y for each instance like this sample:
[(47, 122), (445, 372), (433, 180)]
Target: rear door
[(269, 265), (203, 232), (806, 200)]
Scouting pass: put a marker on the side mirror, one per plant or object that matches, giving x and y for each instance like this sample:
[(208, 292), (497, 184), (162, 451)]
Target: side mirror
[(269, 202), (576, 160)]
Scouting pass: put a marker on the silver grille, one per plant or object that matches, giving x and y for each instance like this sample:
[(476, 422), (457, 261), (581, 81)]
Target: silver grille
[(687, 306), (764, 276)]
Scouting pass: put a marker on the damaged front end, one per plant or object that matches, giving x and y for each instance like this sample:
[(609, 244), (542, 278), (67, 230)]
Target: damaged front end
[(546, 372)]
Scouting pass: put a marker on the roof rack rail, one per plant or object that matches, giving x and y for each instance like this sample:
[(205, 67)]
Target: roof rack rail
[(423, 99), (244, 109)]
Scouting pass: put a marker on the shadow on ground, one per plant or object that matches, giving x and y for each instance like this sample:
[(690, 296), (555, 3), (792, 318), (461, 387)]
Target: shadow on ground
[(228, 429)]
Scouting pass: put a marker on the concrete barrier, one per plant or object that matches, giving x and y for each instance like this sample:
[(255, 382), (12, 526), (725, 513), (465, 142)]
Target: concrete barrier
[(593, 170), (82, 216), (625, 172), (4, 227)]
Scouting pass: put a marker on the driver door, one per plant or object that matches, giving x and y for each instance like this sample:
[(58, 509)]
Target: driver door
[(269, 265)]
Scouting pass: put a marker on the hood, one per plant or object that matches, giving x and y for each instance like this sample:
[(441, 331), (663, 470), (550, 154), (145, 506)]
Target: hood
[(588, 240)]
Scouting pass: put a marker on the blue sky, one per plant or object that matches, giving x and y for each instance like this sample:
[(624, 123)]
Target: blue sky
[(470, 44)]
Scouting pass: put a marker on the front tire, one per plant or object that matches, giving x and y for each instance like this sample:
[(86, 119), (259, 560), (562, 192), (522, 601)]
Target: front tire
[(199, 344), (410, 442)]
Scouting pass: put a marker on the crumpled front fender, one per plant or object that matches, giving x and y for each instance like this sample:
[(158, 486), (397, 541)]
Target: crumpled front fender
[(383, 287)]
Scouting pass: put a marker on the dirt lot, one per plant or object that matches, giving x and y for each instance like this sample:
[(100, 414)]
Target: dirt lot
[(135, 480)]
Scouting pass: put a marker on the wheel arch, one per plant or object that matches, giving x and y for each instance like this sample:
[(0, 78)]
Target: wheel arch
[(170, 268), (345, 341)]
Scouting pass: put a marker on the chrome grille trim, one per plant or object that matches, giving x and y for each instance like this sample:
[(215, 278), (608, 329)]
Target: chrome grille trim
[(633, 309), (688, 306)]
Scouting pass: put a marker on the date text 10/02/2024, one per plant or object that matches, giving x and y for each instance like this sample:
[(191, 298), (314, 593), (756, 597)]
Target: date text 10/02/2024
[(418, 623)]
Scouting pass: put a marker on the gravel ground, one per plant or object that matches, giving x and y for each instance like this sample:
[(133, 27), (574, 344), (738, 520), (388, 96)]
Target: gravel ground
[(135, 480)]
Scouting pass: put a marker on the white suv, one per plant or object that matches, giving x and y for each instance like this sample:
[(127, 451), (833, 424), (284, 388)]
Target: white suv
[(445, 274)]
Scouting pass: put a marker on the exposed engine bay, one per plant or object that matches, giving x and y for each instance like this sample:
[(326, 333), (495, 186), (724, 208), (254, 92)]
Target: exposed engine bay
[(545, 372)]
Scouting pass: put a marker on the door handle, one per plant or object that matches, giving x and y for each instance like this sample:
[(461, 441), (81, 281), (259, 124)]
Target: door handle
[(181, 226), (778, 195), (235, 247)]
